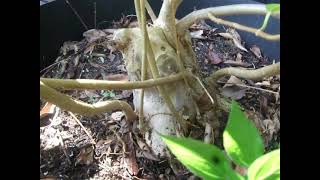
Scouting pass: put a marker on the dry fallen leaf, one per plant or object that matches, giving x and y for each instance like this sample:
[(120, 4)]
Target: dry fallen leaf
[(201, 25), (69, 46), (263, 104), (235, 37), (111, 56), (239, 57), (234, 34), (89, 49), (231, 90), (93, 35), (213, 56), (232, 81), (85, 156), (197, 34), (91, 93), (239, 45), (76, 60), (256, 51), (130, 159), (117, 115), (124, 94), (263, 83), (269, 128)]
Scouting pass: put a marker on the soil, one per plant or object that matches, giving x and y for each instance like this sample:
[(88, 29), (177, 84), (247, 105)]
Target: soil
[(67, 151)]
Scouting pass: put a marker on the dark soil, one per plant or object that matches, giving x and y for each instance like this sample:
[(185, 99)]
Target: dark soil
[(67, 152)]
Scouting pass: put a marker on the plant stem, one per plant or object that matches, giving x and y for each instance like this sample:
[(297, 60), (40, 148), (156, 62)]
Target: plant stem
[(69, 104), (257, 32), (189, 19), (257, 74), (144, 62), (150, 12), (155, 74), (66, 84)]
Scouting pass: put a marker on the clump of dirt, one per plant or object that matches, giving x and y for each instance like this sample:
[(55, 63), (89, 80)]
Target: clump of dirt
[(106, 146)]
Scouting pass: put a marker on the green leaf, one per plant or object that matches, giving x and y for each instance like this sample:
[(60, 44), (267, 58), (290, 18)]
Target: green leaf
[(241, 138), (273, 7), (266, 167), (204, 160)]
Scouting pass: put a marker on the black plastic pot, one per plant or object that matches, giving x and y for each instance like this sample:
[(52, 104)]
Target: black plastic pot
[(59, 24)]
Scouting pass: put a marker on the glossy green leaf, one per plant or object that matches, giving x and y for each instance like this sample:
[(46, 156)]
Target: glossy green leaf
[(204, 160), (266, 167), (273, 7), (241, 138)]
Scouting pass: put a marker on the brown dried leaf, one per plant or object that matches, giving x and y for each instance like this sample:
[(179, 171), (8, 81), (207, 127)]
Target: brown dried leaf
[(233, 80), (263, 83), (234, 33), (236, 39), (93, 34), (122, 68), (130, 158), (69, 46), (89, 49), (76, 60), (256, 51), (85, 156), (239, 45), (91, 93), (239, 57), (231, 90), (269, 128), (197, 34), (213, 56), (142, 145), (201, 25), (146, 154), (226, 35), (263, 104), (117, 116), (111, 56), (124, 94), (234, 92)]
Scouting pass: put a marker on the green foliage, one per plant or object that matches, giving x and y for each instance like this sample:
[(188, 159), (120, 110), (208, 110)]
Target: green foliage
[(204, 160), (243, 145), (241, 138), (266, 167), (271, 8)]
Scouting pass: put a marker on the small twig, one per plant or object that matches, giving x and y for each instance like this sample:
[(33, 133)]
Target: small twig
[(255, 31), (84, 129), (78, 16), (251, 87)]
